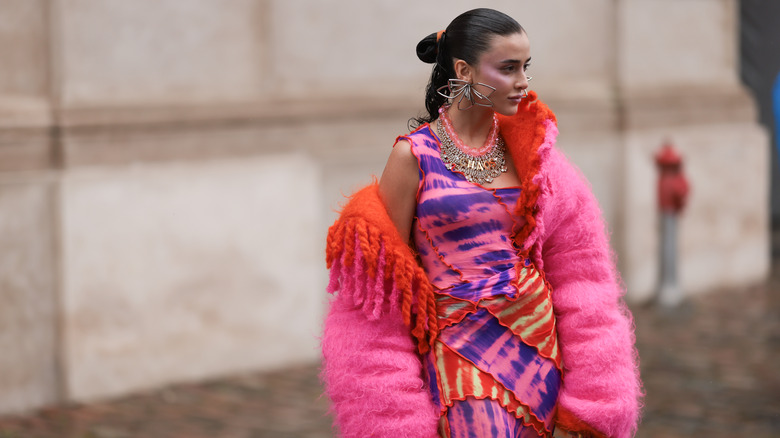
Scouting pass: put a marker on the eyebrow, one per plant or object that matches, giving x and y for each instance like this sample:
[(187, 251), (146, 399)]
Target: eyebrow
[(515, 61)]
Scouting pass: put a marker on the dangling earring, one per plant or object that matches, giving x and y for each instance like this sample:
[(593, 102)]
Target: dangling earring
[(461, 89)]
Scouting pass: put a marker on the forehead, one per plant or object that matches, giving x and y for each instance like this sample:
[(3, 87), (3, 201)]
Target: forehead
[(515, 46)]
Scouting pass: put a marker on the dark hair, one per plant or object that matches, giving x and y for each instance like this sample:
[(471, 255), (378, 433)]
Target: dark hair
[(467, 37)]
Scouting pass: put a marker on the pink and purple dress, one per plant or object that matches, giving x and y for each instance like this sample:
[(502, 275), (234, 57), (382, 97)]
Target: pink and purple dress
[(495, 369)]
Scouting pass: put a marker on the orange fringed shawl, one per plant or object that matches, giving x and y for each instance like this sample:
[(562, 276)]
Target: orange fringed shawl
[(365, 236)]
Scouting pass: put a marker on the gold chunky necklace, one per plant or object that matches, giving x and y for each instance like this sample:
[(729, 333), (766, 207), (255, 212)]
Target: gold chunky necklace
[(478, 166)]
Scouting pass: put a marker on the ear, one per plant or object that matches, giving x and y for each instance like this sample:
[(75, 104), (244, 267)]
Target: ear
[(463, 70)]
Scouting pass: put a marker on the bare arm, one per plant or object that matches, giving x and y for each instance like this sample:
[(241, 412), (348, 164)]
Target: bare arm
[(398, 187)]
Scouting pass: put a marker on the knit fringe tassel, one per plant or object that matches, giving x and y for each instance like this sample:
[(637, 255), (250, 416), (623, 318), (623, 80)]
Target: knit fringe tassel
[(375, 276)]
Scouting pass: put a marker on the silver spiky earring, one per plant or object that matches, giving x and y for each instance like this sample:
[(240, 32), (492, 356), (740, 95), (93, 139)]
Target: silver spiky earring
[(460, 90)]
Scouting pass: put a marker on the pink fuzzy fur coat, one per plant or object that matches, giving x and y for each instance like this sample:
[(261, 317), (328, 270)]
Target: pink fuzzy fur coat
[(377, 325)]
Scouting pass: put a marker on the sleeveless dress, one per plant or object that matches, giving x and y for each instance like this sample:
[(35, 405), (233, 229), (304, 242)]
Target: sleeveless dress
[(494, 370)]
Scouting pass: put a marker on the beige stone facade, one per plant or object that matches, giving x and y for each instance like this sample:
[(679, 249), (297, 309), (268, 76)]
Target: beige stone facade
[(168, 168)]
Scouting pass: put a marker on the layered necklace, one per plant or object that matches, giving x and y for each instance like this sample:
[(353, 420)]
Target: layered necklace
[(477, 165)]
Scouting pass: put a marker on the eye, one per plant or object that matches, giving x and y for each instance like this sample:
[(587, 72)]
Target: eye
[(527, 66), (509, 68)]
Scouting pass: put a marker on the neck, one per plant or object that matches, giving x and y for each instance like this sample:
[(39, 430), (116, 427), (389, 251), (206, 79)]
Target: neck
[(471, 125)]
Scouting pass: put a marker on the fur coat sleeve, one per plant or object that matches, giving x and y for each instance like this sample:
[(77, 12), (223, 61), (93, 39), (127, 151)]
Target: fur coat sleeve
[(601, 390), (371, 364)]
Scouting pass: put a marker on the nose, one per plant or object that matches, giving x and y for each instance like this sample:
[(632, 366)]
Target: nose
[(522, 81)]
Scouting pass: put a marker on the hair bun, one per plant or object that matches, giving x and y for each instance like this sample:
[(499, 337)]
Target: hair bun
[(427, 49)]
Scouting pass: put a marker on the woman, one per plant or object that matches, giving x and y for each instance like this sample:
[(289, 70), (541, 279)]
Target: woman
[(477, 296)]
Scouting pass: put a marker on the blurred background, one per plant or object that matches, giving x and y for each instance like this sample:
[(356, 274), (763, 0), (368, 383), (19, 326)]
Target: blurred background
[(169, 168)]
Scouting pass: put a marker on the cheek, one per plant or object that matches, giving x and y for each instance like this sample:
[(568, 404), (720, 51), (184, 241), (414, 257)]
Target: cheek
[(497, 79)]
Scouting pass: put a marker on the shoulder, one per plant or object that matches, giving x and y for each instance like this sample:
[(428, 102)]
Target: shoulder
[(402, 156), (407, 147), (401, 169)]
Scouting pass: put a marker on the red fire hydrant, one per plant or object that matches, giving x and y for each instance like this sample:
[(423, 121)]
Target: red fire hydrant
[(672, 185), (672, 196)]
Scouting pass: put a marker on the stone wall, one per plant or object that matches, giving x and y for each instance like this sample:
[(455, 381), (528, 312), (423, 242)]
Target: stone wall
[(168, 168), (681, 85)]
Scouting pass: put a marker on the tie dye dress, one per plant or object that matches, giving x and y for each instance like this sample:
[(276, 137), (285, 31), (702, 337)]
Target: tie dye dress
[(494, 370)]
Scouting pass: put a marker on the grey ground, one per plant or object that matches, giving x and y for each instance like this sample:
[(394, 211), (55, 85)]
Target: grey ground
[(711, 368)]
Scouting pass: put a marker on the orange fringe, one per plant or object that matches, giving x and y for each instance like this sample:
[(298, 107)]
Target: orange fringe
[(365, 217)]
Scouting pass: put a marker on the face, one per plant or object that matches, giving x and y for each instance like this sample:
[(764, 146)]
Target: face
[(504, 66)]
